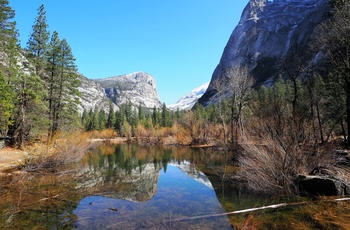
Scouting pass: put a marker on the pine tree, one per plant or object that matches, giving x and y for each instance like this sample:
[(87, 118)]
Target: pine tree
[(66, 112), (166, 119), (141, 113), (111, 116), (52, 59), (102, 119), (120, 120), (6, 105), (6, 24), (62, 85), (38, 40), (30, 122), (9, 53)]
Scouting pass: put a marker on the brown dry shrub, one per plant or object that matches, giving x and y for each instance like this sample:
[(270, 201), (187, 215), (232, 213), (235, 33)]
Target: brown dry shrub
[(182, 135), (108, 134), (104, 134), (273, 164), (63, 150), (265, 165), (142, 132)]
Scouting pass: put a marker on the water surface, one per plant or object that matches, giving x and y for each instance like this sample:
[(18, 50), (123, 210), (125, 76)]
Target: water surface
[(136, 187), (178, 195)]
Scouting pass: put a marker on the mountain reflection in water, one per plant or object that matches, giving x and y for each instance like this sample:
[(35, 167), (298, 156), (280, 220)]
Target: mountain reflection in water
[(136, 188)]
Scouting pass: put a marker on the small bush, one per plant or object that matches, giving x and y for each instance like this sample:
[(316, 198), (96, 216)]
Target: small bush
[(64, 149), (272, 165)]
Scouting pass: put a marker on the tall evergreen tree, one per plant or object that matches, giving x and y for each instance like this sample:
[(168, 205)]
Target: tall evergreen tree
[(6, 105), (120, 120), (102, 119), (111, 116), (38, 40), (30, 106), (6, 23), (8, 66), (53, 57), (63, 86)]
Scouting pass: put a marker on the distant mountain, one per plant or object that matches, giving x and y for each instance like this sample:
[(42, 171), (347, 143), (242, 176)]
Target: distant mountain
[(92, 94), (187, 101), (272, 36), (137, 88)]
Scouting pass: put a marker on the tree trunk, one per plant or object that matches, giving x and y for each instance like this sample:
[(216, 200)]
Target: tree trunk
[(348, 111), (319, 122)]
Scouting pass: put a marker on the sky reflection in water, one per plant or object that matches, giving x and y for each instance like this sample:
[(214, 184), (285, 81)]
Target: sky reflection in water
[(178, 195)]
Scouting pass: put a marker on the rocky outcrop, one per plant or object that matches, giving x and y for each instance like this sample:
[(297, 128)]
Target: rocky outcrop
[(322, 185), (92, 94), (267, 40), (137, 88)]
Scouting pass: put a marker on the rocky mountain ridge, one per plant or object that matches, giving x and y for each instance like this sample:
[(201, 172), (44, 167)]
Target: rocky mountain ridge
[(139, 88), (187, 101), (269, 35)]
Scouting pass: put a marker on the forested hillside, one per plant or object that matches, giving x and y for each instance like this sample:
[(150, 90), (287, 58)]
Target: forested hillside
[(38, 83)]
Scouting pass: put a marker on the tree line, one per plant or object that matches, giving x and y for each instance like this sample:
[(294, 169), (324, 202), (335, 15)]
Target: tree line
[(126, 120), (39, 83)]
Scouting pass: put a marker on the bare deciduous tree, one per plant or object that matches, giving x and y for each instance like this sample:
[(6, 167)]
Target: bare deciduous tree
[(334, 40)]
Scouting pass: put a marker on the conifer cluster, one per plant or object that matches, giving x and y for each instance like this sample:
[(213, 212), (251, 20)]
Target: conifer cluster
[(38, 84)]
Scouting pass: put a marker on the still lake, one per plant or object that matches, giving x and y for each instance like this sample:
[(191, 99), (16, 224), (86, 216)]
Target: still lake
[(149, 188), (127, 186)]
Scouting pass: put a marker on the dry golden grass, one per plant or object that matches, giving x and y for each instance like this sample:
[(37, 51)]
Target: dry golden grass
[(63, 150)]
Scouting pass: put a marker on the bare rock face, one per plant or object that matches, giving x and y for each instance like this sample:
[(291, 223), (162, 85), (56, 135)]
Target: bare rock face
[(269, 34), (137, 88), (92, 94)]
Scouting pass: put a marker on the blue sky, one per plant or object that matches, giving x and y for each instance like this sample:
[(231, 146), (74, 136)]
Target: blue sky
[(179, 42)]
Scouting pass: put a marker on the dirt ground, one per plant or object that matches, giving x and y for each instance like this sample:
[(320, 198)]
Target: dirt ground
[(11, 158)]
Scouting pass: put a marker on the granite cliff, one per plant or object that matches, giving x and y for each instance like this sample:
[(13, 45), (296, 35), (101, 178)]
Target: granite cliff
[(271, 36), (137, 88)]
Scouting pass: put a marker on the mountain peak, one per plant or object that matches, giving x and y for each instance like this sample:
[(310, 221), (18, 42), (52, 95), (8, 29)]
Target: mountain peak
[(137, 88), (187, 101), (269, 34)]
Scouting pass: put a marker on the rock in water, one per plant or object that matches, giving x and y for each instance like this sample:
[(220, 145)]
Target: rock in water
[(322, 185)]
